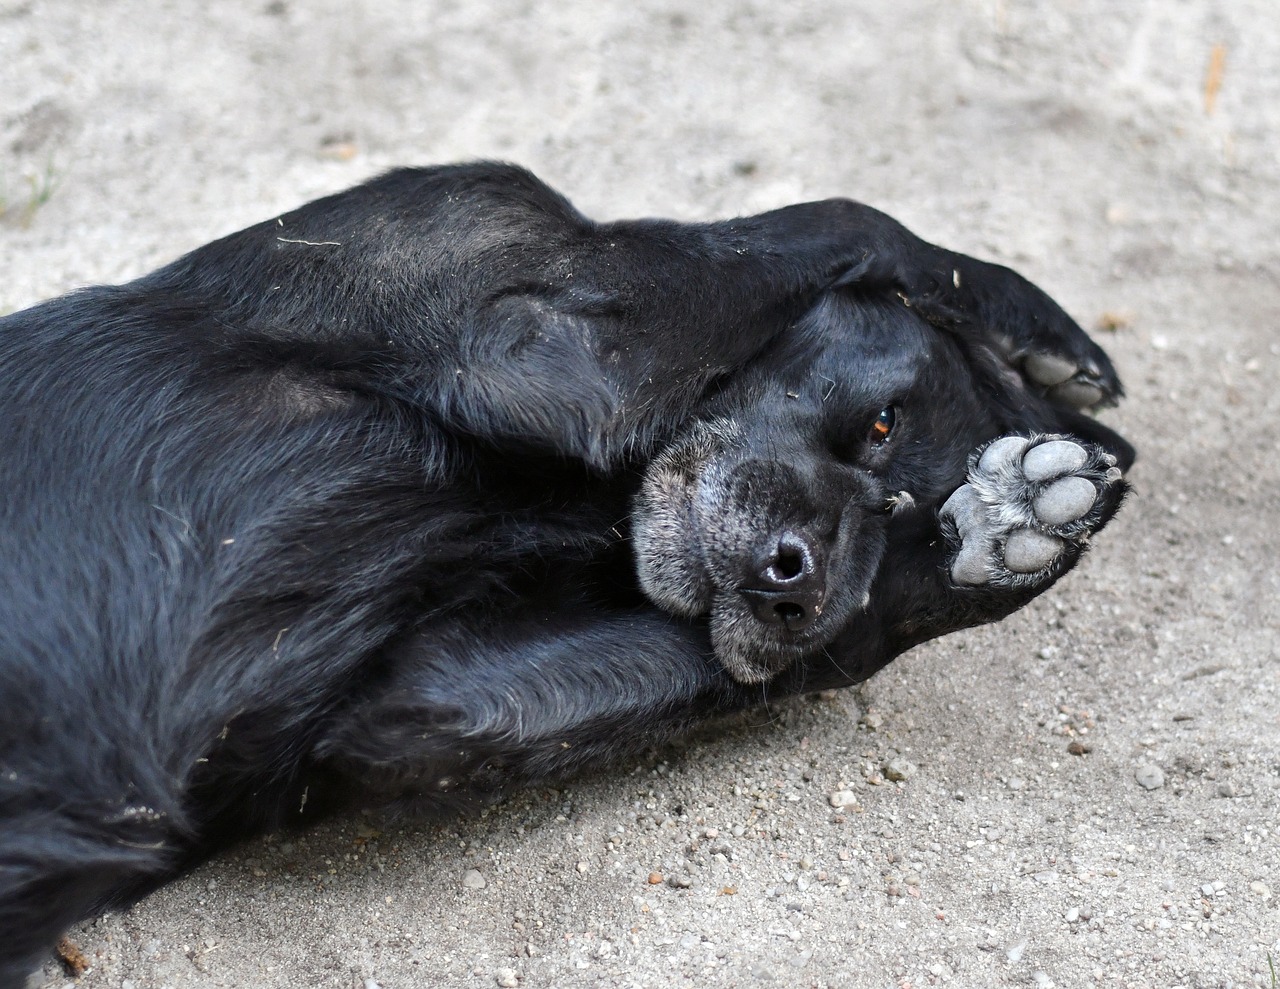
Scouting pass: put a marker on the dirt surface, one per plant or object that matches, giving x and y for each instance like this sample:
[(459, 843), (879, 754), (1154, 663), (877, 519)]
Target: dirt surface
[(1126, 156)]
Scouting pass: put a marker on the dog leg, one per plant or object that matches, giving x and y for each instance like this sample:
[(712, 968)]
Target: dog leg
[(478, 706), (481, 705), (1028, 331)]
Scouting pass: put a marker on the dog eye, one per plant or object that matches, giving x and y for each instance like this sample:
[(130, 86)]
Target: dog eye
[(883, 426)]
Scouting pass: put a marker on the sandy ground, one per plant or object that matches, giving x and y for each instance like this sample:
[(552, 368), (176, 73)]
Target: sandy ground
[(1124, 155)]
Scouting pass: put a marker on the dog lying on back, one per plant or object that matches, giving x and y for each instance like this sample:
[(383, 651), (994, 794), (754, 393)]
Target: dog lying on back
[(333, 509)]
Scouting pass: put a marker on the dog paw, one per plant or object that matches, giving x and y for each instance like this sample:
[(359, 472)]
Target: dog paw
[(1027, 510), (1057, 359)]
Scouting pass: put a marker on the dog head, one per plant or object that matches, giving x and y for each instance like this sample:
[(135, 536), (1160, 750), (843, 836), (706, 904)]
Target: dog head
[(769, 515)]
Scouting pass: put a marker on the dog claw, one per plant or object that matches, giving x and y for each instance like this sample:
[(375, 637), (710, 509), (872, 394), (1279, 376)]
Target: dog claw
[(965, 508)]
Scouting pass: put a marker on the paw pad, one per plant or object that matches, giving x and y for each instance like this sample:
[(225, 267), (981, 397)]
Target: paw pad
[(1065, 500), (1053, 459), (1029, 551), (1027, 509), (1069, 383)]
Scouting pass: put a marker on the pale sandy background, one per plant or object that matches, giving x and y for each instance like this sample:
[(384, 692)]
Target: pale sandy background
[(1101, 147)]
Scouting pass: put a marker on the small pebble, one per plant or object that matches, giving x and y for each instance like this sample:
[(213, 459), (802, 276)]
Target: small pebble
[(679, 882), (1041, 979), (842, 798), (472, 879), (1149, 776), (655, 878), (1258, 888), (1226, 789), (506, 977), (1078, 747), (1014, 954), (899, 769), (1073, 915)]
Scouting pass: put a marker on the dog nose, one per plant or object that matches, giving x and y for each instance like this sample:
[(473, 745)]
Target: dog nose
[(790, 586)]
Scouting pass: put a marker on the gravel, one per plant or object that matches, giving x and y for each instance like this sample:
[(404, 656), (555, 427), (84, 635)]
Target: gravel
[(1149, 776), (899, 770)]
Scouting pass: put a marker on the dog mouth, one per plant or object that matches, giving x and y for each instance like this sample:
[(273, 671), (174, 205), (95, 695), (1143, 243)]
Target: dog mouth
[(756, 635), (767, 606), (753, 653), (774, 554)]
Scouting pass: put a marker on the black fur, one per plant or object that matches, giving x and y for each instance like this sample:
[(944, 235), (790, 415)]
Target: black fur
[(335, 507), (772, 513)]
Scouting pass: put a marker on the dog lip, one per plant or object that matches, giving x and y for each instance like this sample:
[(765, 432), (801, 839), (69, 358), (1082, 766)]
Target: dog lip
[(816, 602), (693, 538), (768, 639), (768, 660)]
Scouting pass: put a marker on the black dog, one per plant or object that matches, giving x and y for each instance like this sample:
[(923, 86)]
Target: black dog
[(802, 523), (336, 498)]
